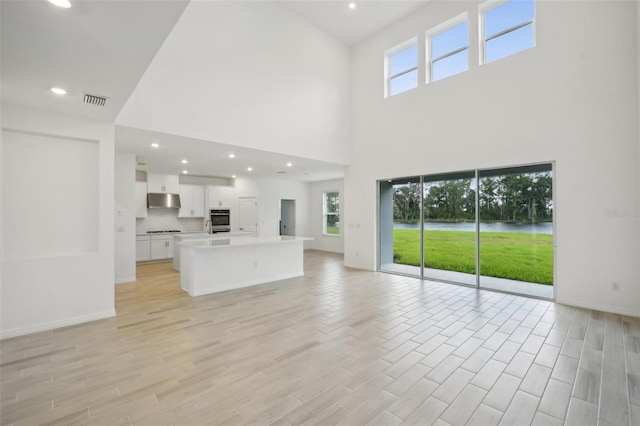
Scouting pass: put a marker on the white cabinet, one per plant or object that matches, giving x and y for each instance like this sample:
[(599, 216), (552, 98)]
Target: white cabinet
[(221, 197), (161, 247), (192, 201), (141, 200), (162, 183), (143, 248)]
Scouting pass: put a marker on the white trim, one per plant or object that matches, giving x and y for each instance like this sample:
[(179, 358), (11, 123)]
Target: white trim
[(248, 283), (599, 307), (387, 59), (325, 213), (56, 324), (485, 7), (126, 280), (438, 29)]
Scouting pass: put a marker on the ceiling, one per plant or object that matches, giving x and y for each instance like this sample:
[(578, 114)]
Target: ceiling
[(206, 158), (350, 26), (104, 47), (96, 47)]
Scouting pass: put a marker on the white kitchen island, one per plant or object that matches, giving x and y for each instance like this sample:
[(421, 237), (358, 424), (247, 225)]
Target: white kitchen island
[(214, 265), (179, 238)]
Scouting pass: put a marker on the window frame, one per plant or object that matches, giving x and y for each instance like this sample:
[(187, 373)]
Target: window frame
[(439, 29), (413, 41), (326, 213), (488, 6)]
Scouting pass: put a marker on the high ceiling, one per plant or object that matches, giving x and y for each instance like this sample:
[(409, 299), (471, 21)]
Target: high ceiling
[(353, 25), (205, 158), (104, 47), (96, 47)]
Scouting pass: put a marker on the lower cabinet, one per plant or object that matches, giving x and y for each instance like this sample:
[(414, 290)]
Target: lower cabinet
[(143, 248), (154, 247), (161, 247)]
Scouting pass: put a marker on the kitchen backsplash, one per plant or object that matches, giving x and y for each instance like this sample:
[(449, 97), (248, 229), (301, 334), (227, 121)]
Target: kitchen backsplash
[(166, 219)]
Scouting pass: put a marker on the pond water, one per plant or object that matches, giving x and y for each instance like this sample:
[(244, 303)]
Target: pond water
[(529, 228)]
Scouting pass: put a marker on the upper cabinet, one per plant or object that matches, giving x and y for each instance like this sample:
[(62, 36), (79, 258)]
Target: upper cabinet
[(141, 200), (221, 197), (192, 201), (169, 184)]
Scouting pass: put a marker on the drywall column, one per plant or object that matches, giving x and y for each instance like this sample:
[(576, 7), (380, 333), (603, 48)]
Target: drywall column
[(125, 218)]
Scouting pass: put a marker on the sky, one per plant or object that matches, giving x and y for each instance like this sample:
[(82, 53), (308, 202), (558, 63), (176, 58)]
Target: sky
[(501, 18)]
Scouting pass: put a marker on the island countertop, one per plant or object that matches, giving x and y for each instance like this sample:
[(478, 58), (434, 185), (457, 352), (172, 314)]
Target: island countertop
[(239, 241), (178, 239)]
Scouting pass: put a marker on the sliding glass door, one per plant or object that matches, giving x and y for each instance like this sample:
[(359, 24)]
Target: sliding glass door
[(516, 230), (487, 228), (449, 227), (400, 225)]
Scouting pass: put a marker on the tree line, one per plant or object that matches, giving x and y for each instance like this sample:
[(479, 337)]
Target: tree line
[(516, 198)]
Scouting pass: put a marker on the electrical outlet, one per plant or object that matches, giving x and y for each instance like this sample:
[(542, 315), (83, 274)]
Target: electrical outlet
[(615, 286)]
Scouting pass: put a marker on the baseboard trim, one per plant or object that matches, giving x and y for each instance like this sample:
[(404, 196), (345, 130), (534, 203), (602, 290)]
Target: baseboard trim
[(56, 324), (248, 283), (599, 307), (126, 280)]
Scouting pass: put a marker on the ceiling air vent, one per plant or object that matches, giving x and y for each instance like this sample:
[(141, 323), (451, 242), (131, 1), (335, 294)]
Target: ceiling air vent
[(94, 100)]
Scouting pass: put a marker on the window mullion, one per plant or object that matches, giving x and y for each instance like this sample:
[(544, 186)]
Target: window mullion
[(400, 74), (509, 30), (446, 55)]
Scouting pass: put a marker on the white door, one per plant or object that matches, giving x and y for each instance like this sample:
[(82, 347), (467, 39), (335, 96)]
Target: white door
[(248, 215), (288, 217)]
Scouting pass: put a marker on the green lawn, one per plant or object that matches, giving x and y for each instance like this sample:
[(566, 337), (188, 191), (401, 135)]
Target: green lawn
[(517, 256), (333, 230)]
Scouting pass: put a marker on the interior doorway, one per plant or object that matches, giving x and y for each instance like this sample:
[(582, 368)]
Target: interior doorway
[(248, 215), (288, 217)]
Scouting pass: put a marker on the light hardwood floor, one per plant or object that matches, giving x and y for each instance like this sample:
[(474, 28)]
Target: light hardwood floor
[(337, 346)]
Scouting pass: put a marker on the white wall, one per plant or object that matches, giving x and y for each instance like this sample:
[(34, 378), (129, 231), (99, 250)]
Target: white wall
[(67, 172), (165, 219), (572, 99), (638, 72), (251, 74), (125, 217), (40, 293), (331, 243), (269, 192)]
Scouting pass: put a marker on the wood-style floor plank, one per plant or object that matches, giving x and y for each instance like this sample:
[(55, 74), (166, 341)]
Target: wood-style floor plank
[(337, 346)]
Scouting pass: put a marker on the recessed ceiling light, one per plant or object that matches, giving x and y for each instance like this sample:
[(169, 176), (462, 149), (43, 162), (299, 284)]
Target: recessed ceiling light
[(233, 176), (155, 145), (61, 3), (185, 162), (249, 169), (232, 156), (289, 164), (58, 91), (184, 172), (352, 5)]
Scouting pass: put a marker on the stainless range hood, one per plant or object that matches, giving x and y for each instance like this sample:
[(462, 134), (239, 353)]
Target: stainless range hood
[(163, 201)]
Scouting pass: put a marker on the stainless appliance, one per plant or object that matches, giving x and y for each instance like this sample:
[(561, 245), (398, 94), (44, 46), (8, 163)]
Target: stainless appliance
[(163, 201), (219, 221)]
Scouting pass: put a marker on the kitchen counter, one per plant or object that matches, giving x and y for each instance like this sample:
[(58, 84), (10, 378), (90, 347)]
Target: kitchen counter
[(172, 233), (193, 236), (219, 264)]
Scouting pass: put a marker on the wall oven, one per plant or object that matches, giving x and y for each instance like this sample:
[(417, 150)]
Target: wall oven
[(219, 220)]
